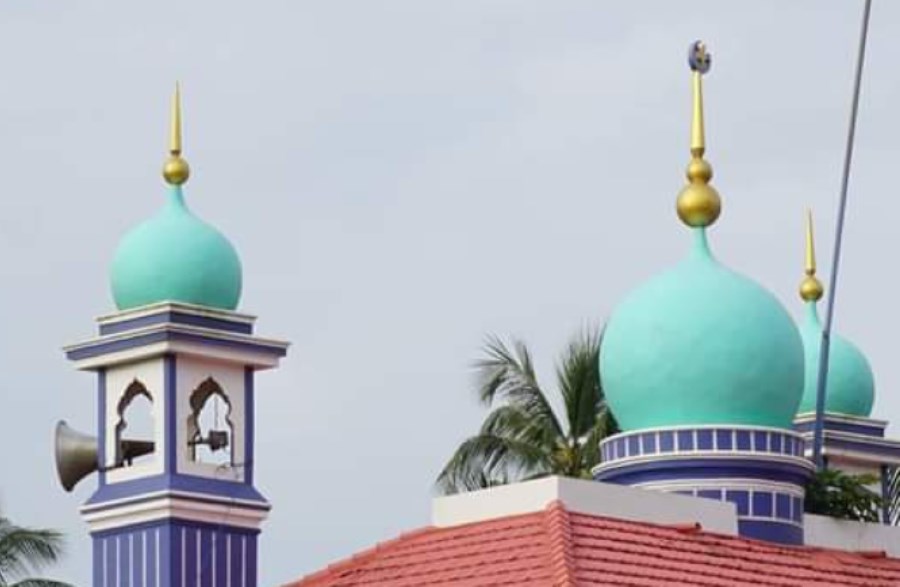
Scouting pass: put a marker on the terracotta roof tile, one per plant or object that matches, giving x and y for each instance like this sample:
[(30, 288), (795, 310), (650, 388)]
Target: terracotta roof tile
[(559, 548)]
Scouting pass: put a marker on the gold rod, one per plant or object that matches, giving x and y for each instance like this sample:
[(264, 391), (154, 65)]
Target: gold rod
[(698, 139), (175, 137)]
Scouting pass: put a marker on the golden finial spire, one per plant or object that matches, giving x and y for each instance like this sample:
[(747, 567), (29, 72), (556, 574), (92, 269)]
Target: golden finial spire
[(176, 170), (698, 203), (811, 289)]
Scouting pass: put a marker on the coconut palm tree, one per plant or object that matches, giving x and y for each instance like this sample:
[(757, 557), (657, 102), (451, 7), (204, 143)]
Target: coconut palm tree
[(24, 551), (523, 436)]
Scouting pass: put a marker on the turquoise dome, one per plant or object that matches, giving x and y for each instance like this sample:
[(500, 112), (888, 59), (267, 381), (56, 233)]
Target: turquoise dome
[(175, 256), (701, 344), (850, 387)]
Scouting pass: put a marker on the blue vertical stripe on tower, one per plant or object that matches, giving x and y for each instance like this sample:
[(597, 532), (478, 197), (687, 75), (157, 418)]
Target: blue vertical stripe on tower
[(98, 565), (251, 560), (151, 537), (171, 430), (235, 568), (101, 427), (248, 425), (123, 554), (110, 560), (220, 558), (137, 558)]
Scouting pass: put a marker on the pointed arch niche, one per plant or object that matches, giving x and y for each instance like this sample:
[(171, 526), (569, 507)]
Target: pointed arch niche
[(211, 396), (134, 410), (210, 429), (135, 421)]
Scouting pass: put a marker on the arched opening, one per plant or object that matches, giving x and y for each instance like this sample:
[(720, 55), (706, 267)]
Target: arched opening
[(135, 428), (210, 430)]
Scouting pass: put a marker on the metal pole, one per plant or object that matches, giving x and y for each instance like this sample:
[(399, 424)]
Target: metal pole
[(818, 432)]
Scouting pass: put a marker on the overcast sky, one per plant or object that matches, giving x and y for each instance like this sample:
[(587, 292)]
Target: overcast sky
[(402, 178)]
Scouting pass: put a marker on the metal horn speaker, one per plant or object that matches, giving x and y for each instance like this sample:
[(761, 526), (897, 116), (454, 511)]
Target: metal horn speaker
[(76, 455)]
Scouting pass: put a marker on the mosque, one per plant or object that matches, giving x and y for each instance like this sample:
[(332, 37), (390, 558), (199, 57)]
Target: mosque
[(710, 378)]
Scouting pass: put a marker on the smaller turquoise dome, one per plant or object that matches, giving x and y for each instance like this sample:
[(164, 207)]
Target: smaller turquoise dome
[(850, 387), (175, 256), (701, 344)]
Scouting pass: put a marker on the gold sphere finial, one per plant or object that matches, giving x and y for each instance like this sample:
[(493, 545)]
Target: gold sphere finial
[(176, 170), (698, 204), (811, 289)]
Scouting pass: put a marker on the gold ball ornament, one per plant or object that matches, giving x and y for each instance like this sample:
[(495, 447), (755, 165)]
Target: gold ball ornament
[(176, 170), (811, 289), (698, 205), (699, 170)]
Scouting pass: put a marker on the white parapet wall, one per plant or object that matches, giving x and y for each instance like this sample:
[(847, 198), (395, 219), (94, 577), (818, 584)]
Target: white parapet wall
[(847, 535), (587, 497)]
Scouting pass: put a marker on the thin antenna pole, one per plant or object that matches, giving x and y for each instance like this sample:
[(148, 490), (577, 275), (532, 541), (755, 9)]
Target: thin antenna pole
[(819, 430)]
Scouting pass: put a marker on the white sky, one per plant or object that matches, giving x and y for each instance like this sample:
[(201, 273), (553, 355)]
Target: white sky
[(402, 178)]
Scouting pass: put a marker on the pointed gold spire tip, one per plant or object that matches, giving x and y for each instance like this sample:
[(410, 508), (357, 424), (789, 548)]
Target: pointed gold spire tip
[(811, 289), (698, 205), (176, 170), (810, 245)]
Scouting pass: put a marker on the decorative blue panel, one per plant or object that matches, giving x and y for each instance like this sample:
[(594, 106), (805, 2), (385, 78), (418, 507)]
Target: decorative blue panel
[(633, 446), (783, 506), (715, 494), (771, 531), (666, 442), (762, 504), (776, 442), (685, 440), (741, 499), (761, 440), (723, 439)]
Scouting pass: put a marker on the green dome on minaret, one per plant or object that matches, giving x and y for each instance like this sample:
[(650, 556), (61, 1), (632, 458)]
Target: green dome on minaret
[(701, 344), (850, 384), (175, 256)]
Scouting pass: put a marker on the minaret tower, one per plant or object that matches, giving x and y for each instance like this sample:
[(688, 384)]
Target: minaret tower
[(853, 441), (187, 514), (703, 370)]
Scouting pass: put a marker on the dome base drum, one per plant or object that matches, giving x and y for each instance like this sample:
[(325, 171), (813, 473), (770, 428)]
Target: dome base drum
[(761, 470)]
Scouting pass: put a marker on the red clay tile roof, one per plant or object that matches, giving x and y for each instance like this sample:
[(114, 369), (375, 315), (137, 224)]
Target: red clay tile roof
[(566, 549)]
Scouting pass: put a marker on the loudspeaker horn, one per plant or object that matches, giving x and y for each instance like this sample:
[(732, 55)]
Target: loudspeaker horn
[(76, 454)]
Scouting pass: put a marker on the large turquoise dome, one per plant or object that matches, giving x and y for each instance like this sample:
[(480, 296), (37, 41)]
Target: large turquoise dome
[(850, 386), (175, 256), (701, 344)]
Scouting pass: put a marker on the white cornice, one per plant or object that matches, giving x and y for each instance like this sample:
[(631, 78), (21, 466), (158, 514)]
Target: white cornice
[(129, 514), (180, 307)]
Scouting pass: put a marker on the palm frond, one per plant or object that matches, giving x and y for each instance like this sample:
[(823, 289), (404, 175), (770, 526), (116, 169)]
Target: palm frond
[(508, 376), (578, 377), (512, 422), (589, 445), (23, 549), (522, 437), (485, 460)]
